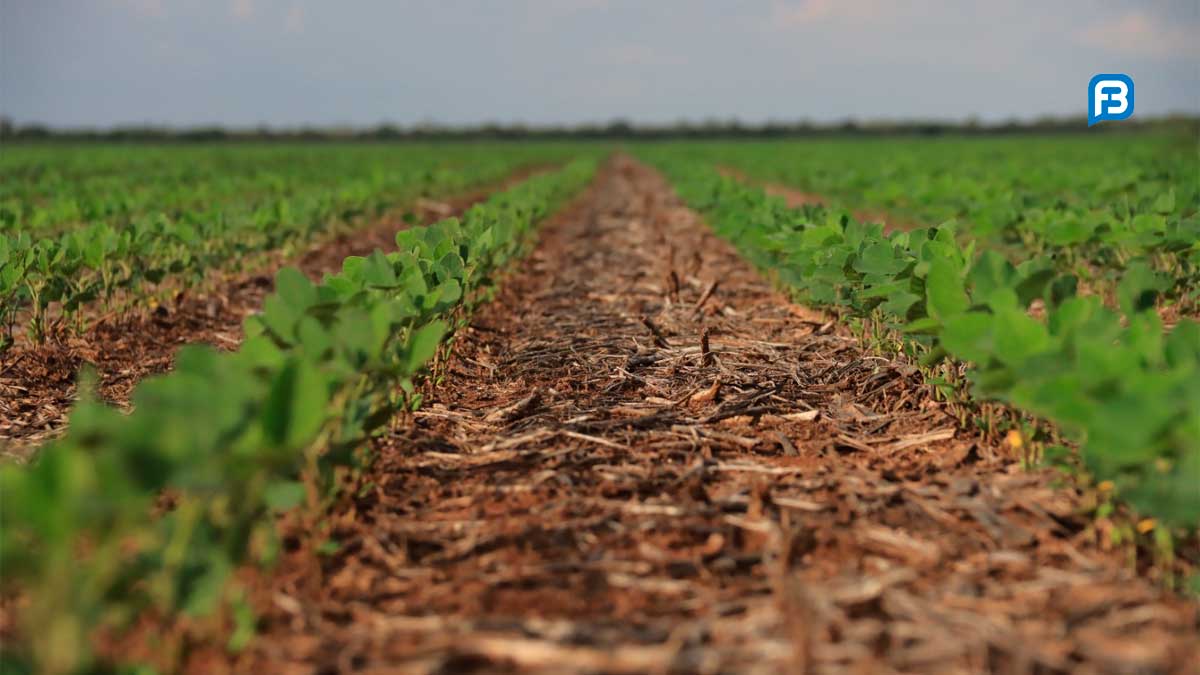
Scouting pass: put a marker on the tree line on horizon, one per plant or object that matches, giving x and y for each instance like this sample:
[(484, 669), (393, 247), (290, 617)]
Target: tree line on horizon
[(618, 129)]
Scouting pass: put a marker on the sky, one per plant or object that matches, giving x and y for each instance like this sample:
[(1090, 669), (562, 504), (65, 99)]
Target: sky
[(287, 63)]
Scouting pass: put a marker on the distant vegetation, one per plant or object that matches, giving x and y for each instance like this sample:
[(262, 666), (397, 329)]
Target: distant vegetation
[(614, 130)]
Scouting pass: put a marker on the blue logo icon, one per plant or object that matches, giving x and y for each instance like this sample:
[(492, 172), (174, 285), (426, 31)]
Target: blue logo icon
[(1110, 97)]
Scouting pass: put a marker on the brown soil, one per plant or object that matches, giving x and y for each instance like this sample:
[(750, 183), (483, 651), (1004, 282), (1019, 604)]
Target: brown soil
[(38, 382), (599, 487)]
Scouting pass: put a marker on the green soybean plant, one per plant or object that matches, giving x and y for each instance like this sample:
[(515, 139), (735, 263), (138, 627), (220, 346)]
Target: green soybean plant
[(235, 438), (1116, 381)]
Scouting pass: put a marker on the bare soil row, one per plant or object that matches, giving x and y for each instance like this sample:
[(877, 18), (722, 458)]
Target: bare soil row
[(646, 460)]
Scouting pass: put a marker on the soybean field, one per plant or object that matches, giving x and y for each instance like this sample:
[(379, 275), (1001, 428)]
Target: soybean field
[(863, 404)]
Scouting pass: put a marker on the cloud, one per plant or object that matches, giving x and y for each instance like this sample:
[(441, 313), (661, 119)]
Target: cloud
[(1136, 33), (638, 55), (791, 13), (106, 62), (546, 15), (293, 21), (242, 9), (146, 7), (565, 6)]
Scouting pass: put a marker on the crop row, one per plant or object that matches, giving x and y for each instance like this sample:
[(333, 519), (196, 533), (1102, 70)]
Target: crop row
[(47, 190), (1091, 205), (1117, 383), (129, 258), (234, 438)]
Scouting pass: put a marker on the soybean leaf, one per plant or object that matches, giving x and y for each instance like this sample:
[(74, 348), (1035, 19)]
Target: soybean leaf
[(944, 291), (422, 345)]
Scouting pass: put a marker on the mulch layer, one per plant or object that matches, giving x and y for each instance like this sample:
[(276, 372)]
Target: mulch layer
[(38, 382), (646, 460)]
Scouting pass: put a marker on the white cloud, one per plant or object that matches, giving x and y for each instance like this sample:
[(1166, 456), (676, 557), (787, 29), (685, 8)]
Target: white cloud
[(1136, 33), (638, 55), (146, 7), (293, 21), (242, 9), (577, 60), (565, 6), (791, 13), (546, 15)]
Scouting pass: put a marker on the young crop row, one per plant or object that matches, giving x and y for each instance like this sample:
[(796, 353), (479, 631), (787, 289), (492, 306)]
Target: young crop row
[(1117, 383), (130, 254), (49, 189), (1091, 205), (232, 439)]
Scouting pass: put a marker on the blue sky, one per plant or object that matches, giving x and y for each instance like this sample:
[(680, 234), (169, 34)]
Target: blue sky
[(362, 62)]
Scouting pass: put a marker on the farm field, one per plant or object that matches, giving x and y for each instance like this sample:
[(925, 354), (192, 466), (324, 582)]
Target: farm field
[(1090, 207), (87, 233), (1066, 301), (882, 405)]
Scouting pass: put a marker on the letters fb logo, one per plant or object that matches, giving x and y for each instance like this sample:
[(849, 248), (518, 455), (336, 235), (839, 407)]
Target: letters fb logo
[(1110, 97)]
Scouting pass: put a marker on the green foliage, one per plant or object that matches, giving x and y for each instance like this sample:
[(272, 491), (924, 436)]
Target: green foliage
[(85, 225), (1084, 205), (1125, 389), (233, 436)]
